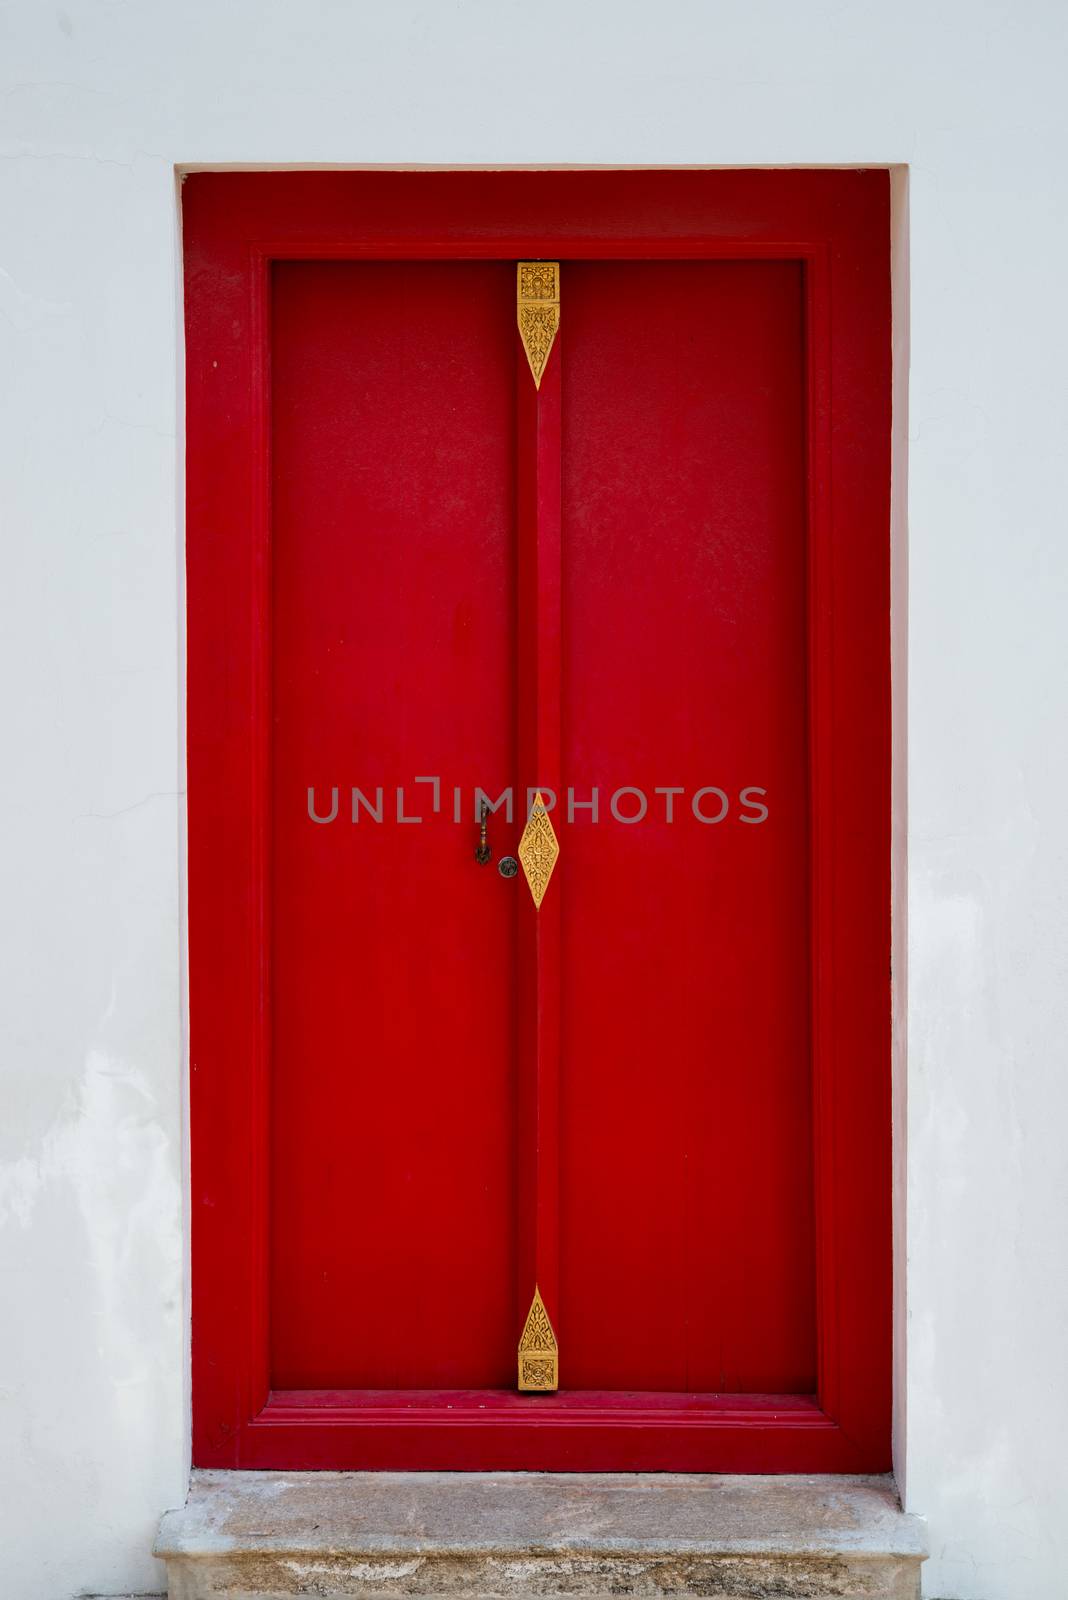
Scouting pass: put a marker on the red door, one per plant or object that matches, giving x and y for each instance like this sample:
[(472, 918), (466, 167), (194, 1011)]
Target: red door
[(605, 1115)]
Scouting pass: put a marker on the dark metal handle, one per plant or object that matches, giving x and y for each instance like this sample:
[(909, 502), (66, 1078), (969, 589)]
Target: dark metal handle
[(483, 852)]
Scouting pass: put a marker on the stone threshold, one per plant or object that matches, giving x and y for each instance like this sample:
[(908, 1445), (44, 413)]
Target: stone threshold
[(269, 1535)]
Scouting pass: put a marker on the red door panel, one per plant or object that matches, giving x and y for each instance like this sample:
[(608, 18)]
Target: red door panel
[(392, 1090), (663, 1097), (687, 1252)]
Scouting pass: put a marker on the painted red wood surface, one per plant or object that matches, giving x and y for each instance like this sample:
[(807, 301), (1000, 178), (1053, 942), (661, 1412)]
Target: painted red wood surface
[(687, 1245), (720, 997), (393, 1199)]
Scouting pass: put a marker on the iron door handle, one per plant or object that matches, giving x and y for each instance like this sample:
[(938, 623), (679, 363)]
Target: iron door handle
[(483, 853)]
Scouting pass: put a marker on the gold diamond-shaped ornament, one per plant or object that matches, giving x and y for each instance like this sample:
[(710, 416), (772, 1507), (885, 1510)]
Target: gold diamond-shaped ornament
[(538, 850)]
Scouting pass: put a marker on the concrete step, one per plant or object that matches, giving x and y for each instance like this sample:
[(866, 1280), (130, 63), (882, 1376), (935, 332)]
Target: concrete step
[(265, 1535)]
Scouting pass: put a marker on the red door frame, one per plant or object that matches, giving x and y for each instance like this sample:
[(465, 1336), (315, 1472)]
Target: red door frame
[(837, 225)]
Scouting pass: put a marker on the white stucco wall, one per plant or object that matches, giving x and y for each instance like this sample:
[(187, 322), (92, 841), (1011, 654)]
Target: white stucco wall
[(99, 101)]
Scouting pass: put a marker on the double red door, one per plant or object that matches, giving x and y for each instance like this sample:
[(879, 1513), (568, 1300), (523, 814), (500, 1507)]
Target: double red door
[(575, 595)]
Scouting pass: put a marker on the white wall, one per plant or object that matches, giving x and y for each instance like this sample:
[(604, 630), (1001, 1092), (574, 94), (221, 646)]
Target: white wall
[(99, 100)]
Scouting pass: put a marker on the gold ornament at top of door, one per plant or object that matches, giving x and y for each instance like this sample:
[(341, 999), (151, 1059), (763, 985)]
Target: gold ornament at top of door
[(538, 310)]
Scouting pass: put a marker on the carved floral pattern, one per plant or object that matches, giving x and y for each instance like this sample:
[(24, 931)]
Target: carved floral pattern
[(538, 1330), (538, 850), (538, 325), (538, 1353), (538, 280), (538, 310), (537, 1372)]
